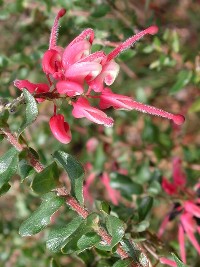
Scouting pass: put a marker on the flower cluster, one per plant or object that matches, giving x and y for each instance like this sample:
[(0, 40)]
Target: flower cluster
[(187, 208), (76, 73)]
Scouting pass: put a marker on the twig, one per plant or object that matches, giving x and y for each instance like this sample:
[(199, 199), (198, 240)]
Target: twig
[(70, 201), (12, 105)]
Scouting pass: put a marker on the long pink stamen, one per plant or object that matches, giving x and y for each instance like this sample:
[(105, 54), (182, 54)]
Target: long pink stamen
[(129, 42), (177, 119), (54, 30)]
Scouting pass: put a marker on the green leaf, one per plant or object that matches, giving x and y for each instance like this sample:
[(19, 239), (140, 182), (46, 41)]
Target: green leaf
[(46, 180), (179, 262), (8, 165), (3, 60), (122, 263), (135, 252), (87, 256), (4, 189), (41, 217), (25, 169), (144, 207), (75, 172), (103, 206), (125, 185), (3, 118), (154, 188), (175, 42), (126, 55), (58, 237), (183, 79), (31, 111), (82, 233), (141, 226), (116, 229), (88, 240), (195, 106), (100, 11)]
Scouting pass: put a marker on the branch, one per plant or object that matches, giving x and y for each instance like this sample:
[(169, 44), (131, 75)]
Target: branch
[(70, 201), (13, 104)]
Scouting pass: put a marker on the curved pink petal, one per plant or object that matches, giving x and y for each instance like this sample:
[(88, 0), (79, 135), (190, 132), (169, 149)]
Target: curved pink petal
[(168, 187), (87, 34), (83, 70), (82, 108), (60, 129), (32, 87), (189, 227), (163, 226), (69, 88), (178, 175), (188, 221), (192, 208), (168, 262), (108, 75), (181, 241), (75, 52), (193, 240), (51, 62)]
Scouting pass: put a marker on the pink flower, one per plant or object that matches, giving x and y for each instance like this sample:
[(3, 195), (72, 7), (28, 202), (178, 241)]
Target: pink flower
[(36, 88), (60, 128), (83, 109)]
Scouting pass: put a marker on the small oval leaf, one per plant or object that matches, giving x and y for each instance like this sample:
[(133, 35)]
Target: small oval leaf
[(41, 217), (46, 180), (58, 237), (75, 172), (8, 165), (31, 111)]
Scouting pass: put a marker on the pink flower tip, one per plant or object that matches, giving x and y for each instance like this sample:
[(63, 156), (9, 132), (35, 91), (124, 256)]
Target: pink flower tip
[(62, 12), (178, 119), (60, 128), (152, 29), (169, 262)]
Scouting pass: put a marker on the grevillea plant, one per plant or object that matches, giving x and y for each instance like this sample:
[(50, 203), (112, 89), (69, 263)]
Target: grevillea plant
[(79, 77)]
